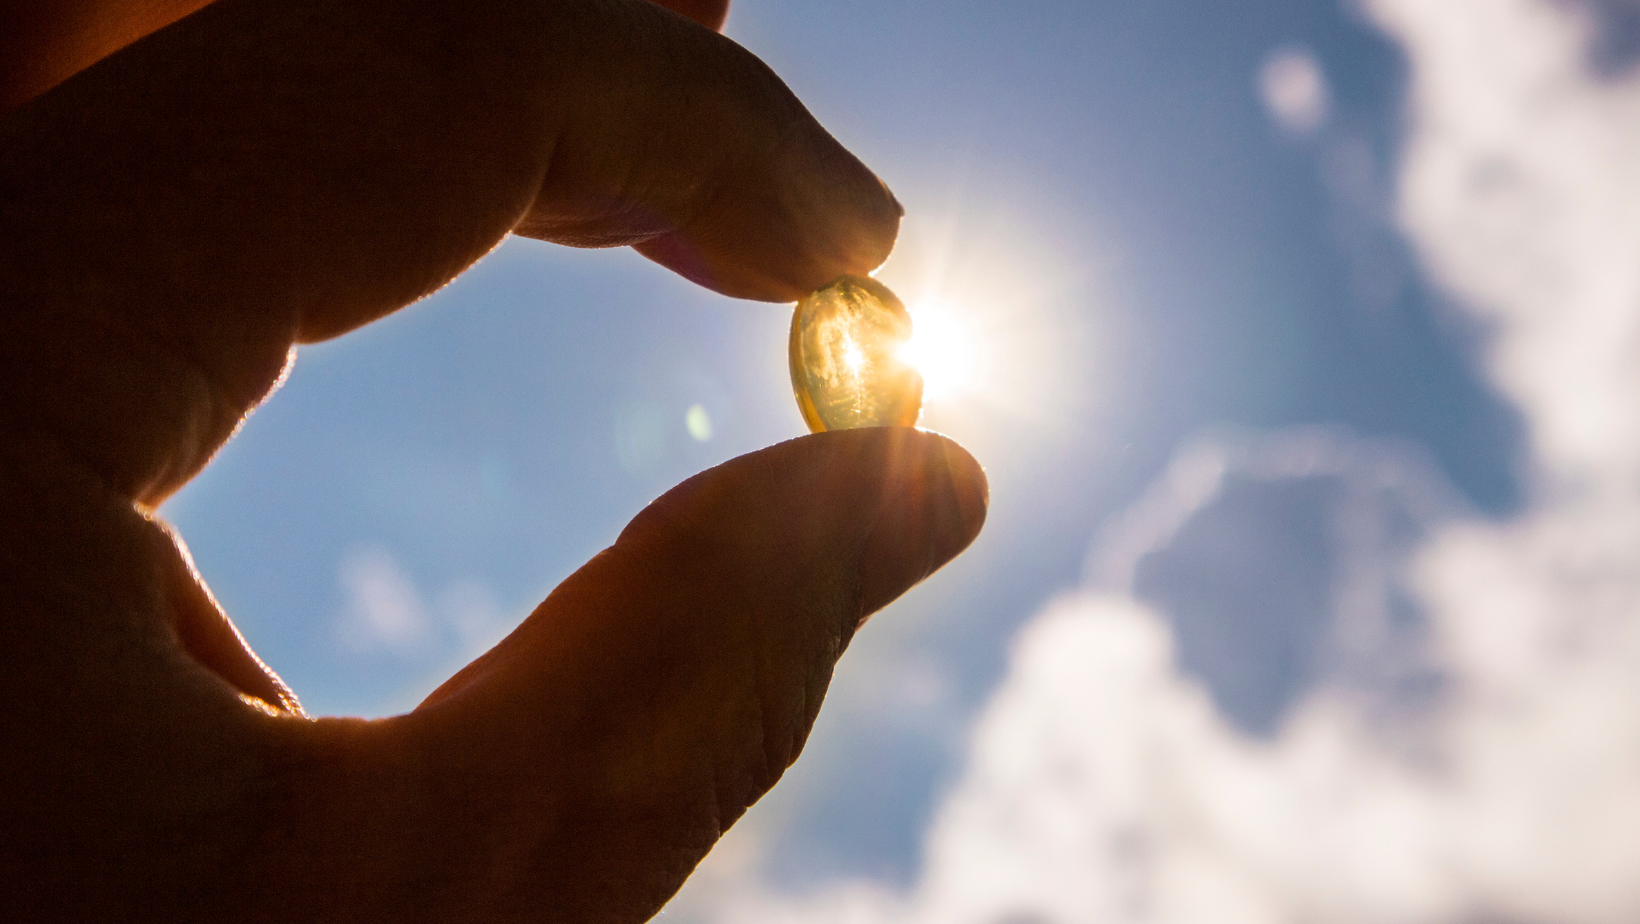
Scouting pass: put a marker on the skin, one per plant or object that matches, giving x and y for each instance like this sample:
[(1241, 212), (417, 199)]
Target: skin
[(188, 192)]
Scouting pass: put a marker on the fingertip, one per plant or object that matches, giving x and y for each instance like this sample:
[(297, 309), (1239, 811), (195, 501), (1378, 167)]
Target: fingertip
[(709, 13), (786, 225), (882, 508), (715, 170), (971, 488), (899, 208), (936, 505)]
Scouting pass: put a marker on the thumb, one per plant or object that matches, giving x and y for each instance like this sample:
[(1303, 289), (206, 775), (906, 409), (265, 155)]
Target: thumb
[(604, 746)]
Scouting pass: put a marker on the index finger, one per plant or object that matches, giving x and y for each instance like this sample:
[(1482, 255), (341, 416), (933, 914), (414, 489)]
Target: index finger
[(262, 173), (46, 43)]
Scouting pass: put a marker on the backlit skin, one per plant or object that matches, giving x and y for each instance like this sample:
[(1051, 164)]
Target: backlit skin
[(179, 214)]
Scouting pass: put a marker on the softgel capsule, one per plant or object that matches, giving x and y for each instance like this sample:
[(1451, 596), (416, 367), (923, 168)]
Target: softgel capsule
[(845, 359)]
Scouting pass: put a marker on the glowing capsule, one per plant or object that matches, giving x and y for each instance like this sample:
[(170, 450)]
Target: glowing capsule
[(845, 358)]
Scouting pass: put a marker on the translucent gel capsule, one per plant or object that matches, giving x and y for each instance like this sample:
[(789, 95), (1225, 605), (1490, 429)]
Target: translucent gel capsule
[(844, 352)]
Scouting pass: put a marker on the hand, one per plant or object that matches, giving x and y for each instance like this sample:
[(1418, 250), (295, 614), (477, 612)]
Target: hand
[(258, 174)]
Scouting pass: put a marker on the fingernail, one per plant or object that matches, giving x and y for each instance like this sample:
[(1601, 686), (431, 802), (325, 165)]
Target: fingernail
[(934, 505), (899, 209)]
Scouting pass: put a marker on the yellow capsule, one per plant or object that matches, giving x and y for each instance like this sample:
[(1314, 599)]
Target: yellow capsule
[(845, 363)]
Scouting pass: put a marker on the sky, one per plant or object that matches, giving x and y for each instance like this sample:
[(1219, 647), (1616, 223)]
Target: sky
[(1299, 341)]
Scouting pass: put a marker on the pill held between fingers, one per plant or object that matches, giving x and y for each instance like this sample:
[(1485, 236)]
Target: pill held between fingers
[(846, 367)]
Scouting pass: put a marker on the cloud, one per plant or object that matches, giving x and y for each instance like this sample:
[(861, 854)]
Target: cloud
[(1294, 90), (1518, 190), (383, 609), (1296, 95), (1303, 683), (384, 612), (1279, 561), (1117, 777), (1451, 757)]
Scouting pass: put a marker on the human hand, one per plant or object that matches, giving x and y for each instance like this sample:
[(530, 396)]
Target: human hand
[(261, 174)]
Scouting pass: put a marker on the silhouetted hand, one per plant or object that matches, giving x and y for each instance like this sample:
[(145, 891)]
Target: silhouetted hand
[(258, 174)]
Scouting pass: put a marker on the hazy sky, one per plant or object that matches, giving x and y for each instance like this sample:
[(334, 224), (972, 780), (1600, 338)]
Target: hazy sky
[(1301, 350)]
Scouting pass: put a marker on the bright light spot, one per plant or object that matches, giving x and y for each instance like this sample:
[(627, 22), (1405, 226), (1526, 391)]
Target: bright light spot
[(853, 358), (700, 425), (943, 348)]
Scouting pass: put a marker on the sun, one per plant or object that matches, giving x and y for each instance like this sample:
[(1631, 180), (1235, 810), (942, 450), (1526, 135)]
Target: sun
[(943, 348)]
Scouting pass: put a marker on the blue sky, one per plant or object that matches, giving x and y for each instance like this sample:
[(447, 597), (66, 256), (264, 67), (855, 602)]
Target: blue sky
[(1156, 265)]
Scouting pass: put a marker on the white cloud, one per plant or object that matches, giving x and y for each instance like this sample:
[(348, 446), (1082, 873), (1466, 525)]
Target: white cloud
[(1467, 745), (1104, 784), (383, 609), (1294, 90), (1519, 187), (384, 612)]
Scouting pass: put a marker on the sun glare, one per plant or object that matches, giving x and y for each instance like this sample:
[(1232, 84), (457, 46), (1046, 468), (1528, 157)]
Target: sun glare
[(942, 348), (853, 358)]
